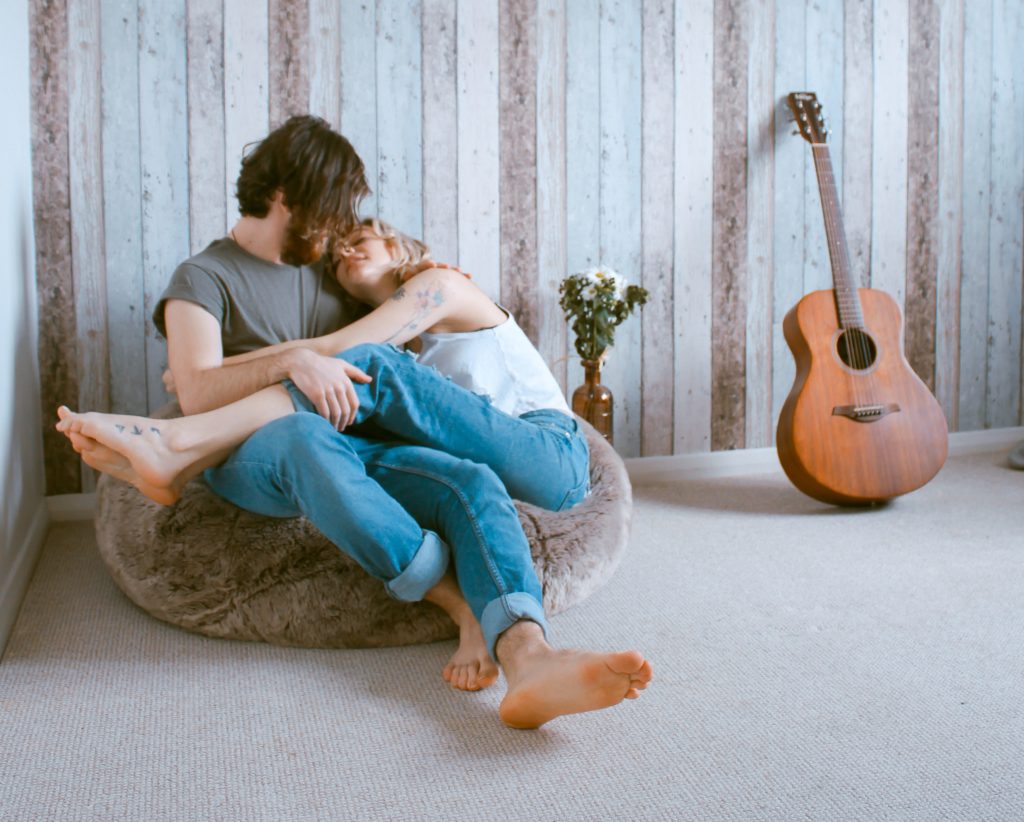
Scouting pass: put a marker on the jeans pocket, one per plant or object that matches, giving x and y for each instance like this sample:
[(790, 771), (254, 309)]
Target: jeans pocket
[(575, 495)]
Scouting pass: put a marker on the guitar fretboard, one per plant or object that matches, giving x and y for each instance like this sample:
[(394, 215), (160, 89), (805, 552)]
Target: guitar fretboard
[(847, 297)]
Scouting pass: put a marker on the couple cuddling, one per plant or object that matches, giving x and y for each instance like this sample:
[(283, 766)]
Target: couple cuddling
[(282, 347)]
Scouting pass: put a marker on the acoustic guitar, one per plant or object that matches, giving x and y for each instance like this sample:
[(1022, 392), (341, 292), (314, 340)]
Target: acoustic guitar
[(859, 426)]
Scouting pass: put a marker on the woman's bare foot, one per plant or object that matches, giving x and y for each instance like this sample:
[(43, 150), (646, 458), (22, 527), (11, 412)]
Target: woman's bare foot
[(98, 456), (471, 667), (544, 683), (157, 457)]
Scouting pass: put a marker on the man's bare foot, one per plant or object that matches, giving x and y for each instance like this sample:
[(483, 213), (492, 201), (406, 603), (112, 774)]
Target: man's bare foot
[(544, 683), (471, 667), (152, 449)]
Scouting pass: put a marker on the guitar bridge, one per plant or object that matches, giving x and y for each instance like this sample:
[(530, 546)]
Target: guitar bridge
[(865, 413)]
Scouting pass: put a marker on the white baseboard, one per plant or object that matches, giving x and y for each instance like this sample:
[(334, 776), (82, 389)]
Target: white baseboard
[(71, 507), (13, 590), (652, 470)]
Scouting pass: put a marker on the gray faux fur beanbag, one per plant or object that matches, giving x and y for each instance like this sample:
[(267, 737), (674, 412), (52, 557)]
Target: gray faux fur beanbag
[(209, 567)]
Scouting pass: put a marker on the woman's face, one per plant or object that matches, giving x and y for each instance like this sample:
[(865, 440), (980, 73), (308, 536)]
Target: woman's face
[(364, 262)]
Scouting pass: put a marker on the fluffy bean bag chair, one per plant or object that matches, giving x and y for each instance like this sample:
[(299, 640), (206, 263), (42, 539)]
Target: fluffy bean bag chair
[(209, 567)]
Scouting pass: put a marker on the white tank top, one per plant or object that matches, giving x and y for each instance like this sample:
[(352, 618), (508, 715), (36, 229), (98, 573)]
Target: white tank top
[(498, 362)]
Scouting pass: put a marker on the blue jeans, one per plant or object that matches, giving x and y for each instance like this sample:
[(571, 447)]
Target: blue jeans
[(424, 457)]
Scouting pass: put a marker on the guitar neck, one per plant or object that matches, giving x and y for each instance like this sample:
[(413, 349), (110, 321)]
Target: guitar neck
[(847, 298)]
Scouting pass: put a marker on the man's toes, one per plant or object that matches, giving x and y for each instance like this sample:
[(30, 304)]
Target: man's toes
[(632, 693)]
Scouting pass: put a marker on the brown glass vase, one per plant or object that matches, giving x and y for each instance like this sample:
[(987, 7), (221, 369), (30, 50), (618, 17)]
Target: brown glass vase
[(593, 401)]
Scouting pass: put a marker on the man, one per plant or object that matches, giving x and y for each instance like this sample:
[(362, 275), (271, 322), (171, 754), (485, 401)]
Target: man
[(383, 501)]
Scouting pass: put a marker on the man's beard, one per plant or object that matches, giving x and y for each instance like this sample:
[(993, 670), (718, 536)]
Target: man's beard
[(302, 247)]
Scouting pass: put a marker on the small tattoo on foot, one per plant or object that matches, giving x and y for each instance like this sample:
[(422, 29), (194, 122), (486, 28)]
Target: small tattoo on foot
[(120, 428), (136, 430), (155, 431)]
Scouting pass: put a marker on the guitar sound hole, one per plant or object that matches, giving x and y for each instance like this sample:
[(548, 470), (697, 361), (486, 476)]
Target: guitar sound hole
[(856, 349)]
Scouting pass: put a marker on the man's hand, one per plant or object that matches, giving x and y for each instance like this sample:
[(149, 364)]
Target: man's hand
[(327, 382)]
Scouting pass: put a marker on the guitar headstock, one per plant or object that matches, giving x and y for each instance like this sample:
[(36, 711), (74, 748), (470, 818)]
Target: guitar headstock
[(808, 117)]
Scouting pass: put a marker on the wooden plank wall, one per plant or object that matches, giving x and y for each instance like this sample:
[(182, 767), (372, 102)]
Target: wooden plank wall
[(526, 139)]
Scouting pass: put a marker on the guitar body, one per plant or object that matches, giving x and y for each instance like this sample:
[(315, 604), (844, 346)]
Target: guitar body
[(860, 433)]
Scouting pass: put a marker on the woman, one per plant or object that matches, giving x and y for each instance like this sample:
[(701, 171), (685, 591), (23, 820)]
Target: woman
[(543, 459)]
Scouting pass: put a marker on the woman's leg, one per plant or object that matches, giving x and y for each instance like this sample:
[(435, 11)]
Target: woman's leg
[(471, 509), (542, 457), (160, 456)]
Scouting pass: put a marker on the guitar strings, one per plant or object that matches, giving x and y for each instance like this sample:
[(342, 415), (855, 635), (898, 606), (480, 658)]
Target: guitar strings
[(857, 348)]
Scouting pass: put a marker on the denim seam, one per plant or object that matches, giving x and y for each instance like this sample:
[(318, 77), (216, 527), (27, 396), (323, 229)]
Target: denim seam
[(270, 469), (491, 567)]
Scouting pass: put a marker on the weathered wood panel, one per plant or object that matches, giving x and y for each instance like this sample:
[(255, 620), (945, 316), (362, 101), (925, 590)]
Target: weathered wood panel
[(760, 226), (694, 130), (479, 143), (922, 190), (858, 97), (1006, 238), (729, 272), (518, 160), (163, 118), (889, 161), (440, 131), (325, 60), (552, 262), (208, 190), (824, 76), (58, 338), (289, 59), (789, 237), (951, 188), (620, 69), (85, 172), (246, 88), (977, 213), (358, 87), (657, 212), (122, 207), (583, 158), (399, 115)]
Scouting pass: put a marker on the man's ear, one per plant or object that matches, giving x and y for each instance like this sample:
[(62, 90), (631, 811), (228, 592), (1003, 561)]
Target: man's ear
[(277, 203)]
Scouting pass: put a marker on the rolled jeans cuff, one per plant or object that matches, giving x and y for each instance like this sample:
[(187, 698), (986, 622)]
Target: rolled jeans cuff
[(423, 573), (502, 613)]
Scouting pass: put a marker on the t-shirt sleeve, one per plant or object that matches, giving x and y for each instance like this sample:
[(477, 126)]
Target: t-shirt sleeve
[(197, 285)]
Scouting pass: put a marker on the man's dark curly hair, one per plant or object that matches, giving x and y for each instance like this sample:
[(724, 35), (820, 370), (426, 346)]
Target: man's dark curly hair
[(322, 177)]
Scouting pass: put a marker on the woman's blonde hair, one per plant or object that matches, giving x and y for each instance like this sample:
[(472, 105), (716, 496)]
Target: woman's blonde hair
[(406, 251)]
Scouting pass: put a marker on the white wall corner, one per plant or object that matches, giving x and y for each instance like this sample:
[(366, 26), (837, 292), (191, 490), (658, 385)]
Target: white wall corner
[(26, 556)]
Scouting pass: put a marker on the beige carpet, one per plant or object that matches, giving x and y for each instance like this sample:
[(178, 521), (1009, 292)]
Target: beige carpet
[(810, 663)]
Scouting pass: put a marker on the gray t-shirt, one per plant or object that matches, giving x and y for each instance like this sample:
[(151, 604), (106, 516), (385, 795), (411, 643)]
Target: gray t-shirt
[(256, 302)]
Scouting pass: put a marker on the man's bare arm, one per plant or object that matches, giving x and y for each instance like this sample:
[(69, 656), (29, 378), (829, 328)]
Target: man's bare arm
[(203, 382)]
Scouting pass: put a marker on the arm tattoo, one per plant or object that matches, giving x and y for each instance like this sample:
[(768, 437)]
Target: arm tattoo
[(431, 297)]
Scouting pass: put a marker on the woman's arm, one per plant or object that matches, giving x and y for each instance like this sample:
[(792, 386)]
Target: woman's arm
[(427, 299)]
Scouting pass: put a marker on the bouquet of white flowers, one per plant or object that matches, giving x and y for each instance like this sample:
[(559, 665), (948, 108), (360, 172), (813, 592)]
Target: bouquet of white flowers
[(596, 301)]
